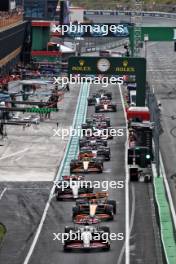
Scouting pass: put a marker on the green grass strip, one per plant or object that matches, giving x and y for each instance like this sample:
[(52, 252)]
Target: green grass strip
[(165, 217), (2, 232)]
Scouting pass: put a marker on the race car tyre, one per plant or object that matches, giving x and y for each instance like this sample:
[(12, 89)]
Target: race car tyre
[(114, 107), (69, 228), (100, 159), (67, 249), (107, 248), (75, 211), (109, 95), (96, 109), (85, 126), (109, 211), (105, 229), (89, 190), (113, 203)]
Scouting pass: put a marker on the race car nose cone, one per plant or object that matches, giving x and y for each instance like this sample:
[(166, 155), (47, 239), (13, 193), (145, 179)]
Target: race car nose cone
[(86, 237), (75, 189), (98, 100), (105, 106), (93, 208), (94, 152), (85, 165)]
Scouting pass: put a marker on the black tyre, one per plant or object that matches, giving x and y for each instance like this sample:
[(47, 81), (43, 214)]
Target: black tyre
[(75, 211), (114, 108), (114, 205), (67, 249), (100, 159), (107, 248), (69, 228), (96, 109), (109, 95), (89, 100), (89, 190), (105, 229)]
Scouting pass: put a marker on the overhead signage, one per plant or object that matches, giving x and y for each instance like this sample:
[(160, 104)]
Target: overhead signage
[(112, 66)]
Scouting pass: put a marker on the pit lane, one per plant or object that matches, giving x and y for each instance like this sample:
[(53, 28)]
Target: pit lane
[(60, 213)]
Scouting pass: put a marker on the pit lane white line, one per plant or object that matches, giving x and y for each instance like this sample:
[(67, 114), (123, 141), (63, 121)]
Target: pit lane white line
[(1, 195), (107, 171), (127, 227), (14, 154), (131, 223), (169, 195), (30, 188), (37, 234)]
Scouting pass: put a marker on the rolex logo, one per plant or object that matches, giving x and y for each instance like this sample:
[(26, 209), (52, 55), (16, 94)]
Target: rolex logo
[(125, 63), (81, 62)]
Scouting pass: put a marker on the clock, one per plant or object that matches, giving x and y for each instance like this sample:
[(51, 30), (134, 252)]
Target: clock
[(103, 65)]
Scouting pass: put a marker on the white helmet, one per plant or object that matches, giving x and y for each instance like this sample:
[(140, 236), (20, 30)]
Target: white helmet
[(2, 104)]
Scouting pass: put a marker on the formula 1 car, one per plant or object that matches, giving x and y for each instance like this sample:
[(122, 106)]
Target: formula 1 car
[(104, 133), (89, 141), (67, 179), (86, 165), (92, 100), (99, 118), (95, 151), (87, 238), (99, 197), (105, 105), (96, 124), (72, 187), (93, 211)]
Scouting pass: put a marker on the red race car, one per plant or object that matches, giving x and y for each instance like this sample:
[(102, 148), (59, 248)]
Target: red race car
[(93, 211), (86, 164), (105, 105), (72, 187), (87, 238)]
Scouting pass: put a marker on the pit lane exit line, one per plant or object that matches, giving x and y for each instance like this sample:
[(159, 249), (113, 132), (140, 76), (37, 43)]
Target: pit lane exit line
[(127, 207), (1, 195), (14, 154)]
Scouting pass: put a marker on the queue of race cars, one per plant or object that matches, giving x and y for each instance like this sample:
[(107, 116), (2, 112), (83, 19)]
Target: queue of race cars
[(140, 139), (91, 207)]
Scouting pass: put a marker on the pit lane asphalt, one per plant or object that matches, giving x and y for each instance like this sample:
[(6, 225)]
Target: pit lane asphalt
[(48, 251), (34, 153), (161, 60), (30, 203), (142, 247)]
